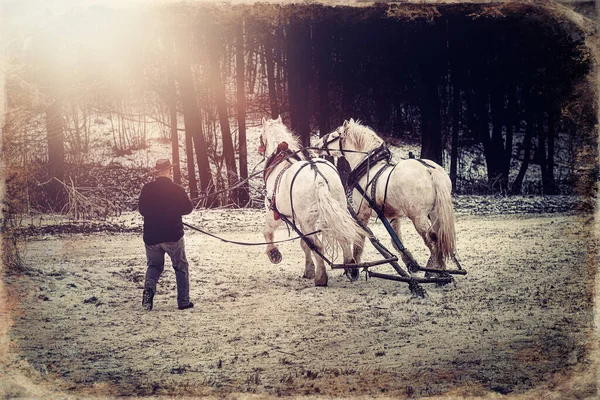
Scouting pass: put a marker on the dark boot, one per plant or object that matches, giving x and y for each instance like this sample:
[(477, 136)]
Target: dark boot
[(147, 298), (189, 305)]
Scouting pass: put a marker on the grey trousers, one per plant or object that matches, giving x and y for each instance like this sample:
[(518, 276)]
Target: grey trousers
[(155, 255)]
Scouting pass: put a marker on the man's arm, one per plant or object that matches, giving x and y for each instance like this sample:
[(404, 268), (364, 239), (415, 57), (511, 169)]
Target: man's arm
[(186, 203), (143, 203)]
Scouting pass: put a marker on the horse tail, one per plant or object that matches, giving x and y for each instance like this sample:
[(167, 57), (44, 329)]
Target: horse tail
[(442, 216), (337, 225)]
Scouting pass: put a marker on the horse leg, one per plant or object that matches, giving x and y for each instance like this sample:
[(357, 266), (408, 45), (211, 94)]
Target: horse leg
[(405, 254), (309, 271), (269, 232), (423, 226), (309, 266), (358, 247), (351, 273), (321, 273)]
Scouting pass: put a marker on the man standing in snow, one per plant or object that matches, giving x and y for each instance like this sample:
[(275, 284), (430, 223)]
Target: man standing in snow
[(162, 203)]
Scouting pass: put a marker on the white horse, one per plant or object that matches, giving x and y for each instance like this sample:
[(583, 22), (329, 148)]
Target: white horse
[(418, 189), (304, 191)]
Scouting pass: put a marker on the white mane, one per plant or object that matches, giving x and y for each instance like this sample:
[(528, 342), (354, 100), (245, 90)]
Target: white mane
[(362, 137), (276, 132)]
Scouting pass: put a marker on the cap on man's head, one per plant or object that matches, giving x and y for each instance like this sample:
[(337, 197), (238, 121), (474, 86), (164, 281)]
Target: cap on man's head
[(162, 165)]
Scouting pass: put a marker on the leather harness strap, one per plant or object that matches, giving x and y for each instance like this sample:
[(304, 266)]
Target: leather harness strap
[(277, 157), (286, 155), (312, 162), (381, 153), (275, 186), (373, 184)]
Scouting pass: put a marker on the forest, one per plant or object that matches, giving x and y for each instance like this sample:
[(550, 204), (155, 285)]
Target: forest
[(508, 85)]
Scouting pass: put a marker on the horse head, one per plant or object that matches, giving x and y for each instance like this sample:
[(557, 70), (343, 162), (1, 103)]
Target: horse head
[(334, 143), (275, 135), (266, 137)]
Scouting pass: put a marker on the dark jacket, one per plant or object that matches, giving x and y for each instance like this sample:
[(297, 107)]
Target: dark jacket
[(162, 203)]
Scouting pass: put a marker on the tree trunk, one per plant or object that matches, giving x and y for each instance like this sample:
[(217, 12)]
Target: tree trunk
[(280, 62), (86, 128), (545, 152), (495, 153), (172, 103), (298, 47), (456, 80), (243, 193), (512, 119), (56, 155), (517, 185), (550, 183), (540, 152), (455, 111), (431, 124), (171, 100), (347, 60), (192, 123), (429, 77), (322, 49), (78, 145), (214, 54), (268, 46)]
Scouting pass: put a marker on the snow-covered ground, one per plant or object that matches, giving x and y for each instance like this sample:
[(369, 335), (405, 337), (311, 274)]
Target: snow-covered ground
[(519, 322)]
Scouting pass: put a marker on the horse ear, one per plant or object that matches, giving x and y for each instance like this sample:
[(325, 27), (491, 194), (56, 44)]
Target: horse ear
[(263, 120), (351, 120), (279, 118), (345, 123)]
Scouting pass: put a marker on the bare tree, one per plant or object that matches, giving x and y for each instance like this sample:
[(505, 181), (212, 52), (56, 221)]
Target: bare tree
[(193, 125), (215, 45), (171, 100), (243, 195), (299, 68), (56, 153)]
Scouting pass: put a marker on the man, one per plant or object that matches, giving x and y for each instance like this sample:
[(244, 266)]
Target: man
[(162, 203)]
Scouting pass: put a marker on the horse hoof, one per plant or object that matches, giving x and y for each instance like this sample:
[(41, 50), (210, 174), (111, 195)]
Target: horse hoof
[(412, 267), (352, 273), (274, 256), (321, 279), (416, 290), (450, 280)]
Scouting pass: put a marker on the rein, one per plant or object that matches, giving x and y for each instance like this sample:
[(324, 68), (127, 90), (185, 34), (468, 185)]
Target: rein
[(246, 243)]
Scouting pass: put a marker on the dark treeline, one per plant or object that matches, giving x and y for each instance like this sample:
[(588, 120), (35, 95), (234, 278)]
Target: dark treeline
[(507, 82), (446, 76)]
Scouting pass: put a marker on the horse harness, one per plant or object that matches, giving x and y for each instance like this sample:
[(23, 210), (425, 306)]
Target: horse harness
[(381, 153), (328, 141), (281, 154)]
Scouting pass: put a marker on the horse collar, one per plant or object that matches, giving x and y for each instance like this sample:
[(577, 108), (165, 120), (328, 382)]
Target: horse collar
[(278, 156), (381, 153)]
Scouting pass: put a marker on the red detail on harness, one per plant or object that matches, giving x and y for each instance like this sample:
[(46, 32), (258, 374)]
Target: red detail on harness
[(273, 163), (261, 149), (276, 215), (283, 146)]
